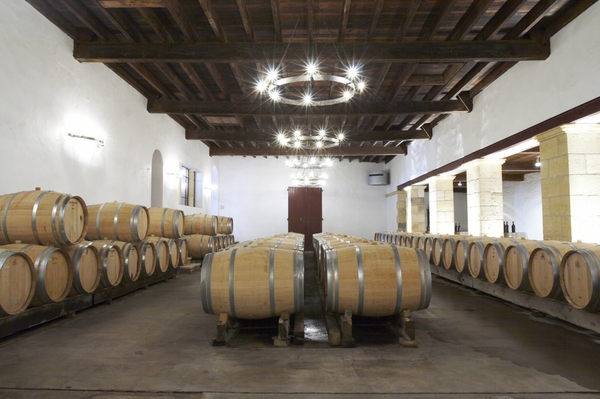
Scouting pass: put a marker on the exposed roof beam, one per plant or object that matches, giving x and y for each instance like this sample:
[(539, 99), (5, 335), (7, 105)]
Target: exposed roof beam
[(131, 3), (245, 15), (374, 19), (257, 135), (344, 20), (276, 19), (55, 17), (332, 152), (380, 108), (524, 167), (469, 19), (181, 19), (460, 51), (213, 19)]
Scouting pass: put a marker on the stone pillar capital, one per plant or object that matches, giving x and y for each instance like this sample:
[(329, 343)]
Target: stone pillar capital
[(569, 129)]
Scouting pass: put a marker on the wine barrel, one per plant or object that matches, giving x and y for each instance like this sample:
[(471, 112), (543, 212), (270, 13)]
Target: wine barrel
[(437, 245), (377, 280), (163, 255), (112, 261), (475, 259), (516, 263), (182, 244), (87, 268), (132, 265), (118, 221), (448, 249), (224, 225), (253, 283), (428, 244), (200, 245), (579, 278), (42, 217), (494, 263), (17, 282), (200, 224), (544, 267), (148, 257), (54, 272), (166, 222), (173, 247)]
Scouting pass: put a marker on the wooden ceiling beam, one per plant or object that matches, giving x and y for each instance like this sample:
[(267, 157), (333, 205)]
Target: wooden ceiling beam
[(506, 12), (55, 17), (213, 19), (344, 20), (469, 19), (329, 152), (276, 20), (434, 21), (379, 108), (374, 19), (524, 167), (132, 3), (88, 18), (181, 20), (245, 15), (258, 135), (449, 51)]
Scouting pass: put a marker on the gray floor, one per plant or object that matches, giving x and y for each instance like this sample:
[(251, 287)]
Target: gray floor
[(155, 343)]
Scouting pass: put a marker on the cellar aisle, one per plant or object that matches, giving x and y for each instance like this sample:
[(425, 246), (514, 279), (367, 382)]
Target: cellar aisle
[(156, 343)]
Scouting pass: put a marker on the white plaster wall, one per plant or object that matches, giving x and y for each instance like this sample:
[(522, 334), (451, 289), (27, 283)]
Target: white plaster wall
[(391, 221), (460, 210), (523, 205), (254, 192), (527, 94), (45, 93)]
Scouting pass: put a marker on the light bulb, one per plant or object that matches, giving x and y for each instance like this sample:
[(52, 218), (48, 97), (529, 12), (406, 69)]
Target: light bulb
[(307, 99), (275, 95), (319, 144), (262, 86), (297, 144), (321, 132), (282, 139), (352, 72), (272, 75), (361, 86), (537, 162), (297, 133), (328, 162), (311, 68), (313, 160), (341, 136), (347, 95)]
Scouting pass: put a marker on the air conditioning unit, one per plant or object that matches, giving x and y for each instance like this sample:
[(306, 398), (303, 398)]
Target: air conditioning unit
[(379, 178)]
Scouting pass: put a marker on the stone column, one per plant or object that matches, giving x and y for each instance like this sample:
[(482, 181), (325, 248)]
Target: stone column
[(570, 176), (401, 210), (484, 197), (415, 205), (441, 204)]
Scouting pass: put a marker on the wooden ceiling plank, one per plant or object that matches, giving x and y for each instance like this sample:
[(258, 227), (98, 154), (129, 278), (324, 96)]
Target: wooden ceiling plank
[(332, 152), (213, 19), (48, 11), (135, 83), (506, 12), (214, 72), (175, 80), (469, 19), (344, 20), (155, 24), (379, 108), (145, 73), (575, 9), (88, 19), (406, 73), (132, 3), (245, 15), (434, 21), (276, 20), (120, 20), (530, 19), (181, 19), (191, 72), (374, 19), (352, 136), (381, 52), (407, 19)]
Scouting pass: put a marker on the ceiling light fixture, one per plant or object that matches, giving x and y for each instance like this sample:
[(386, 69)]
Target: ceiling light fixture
[(537, 162), (274, 85)]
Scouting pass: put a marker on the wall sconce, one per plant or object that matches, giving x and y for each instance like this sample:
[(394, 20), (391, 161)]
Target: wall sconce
[(78, 136), (537, 162)]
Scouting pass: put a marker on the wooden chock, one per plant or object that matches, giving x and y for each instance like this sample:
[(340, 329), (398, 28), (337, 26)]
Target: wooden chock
[(282, 340), (222, 330), (407, 330), (345, 321)]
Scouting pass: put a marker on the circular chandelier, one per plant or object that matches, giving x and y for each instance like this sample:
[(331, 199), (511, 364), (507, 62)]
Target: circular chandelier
[(309, 170), (274, 86), (298, 140)]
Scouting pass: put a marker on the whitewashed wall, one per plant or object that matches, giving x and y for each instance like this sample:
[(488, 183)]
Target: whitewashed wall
[(254, 192), (45, 93), (523, 205), (529, 93)]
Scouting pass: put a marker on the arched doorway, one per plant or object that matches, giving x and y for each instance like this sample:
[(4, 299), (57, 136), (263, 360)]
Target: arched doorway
[(156, 184), (214, 192)]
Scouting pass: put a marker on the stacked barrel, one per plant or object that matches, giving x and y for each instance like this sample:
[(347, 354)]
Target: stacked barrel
[(257, 279), (371, 278), (166, 233), (208, 233), (33, 269), (550, 269)]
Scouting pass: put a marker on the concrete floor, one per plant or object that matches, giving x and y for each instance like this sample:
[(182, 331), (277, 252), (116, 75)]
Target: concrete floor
[(155, 343)]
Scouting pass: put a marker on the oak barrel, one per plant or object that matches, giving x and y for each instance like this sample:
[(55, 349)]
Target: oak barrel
[(163, 255), (87, 269), (17, 282), (580, 278), (253, 283), (377, 280), (112, 261), (200, 224), (117, 221), (132, 265), (475, 259), (224, 225), (42, 217), (173, 246), (494, 264), (544, 267), (461, 252), (200, 245), (182, 245), (148, 257), (448, 248), (54, 272), (516, 263), (166, 222)]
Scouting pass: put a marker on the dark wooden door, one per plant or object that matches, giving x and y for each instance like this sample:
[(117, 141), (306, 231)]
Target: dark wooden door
[(305, 212)]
